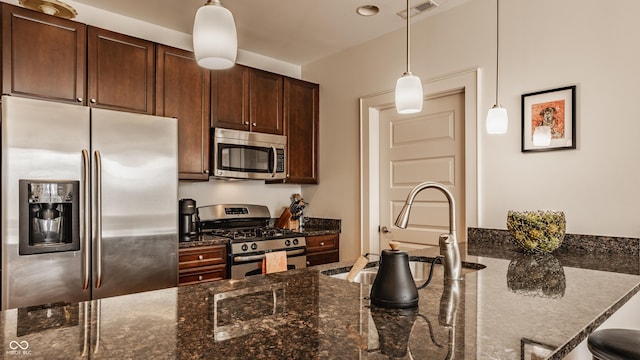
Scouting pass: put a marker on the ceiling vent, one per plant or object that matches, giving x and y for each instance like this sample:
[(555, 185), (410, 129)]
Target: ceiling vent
[(418, 9), (51, 7)]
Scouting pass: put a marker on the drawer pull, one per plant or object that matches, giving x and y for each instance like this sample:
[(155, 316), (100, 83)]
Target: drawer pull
[(200, 278), (322, 243), (200, 257)]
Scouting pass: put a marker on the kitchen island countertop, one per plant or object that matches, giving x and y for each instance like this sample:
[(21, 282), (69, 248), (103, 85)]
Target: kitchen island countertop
[(517, 304)]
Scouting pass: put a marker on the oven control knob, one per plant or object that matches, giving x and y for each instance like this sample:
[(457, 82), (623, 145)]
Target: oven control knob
[(245, 247), (295, 241), (287, 242), (254, 246)]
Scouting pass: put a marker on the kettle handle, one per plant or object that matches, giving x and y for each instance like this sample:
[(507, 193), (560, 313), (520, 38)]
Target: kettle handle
[(430, 272)]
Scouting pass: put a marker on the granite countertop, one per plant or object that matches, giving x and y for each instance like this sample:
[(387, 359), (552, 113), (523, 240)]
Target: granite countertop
[(516, 304)]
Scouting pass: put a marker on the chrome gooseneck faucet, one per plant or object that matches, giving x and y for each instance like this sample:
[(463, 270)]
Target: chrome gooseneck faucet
[(448, 242)]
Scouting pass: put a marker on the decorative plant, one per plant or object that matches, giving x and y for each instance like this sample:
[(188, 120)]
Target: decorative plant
[(537, 231)]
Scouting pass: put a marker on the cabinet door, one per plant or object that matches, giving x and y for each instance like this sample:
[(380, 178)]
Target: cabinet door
[(120, 72), (183, 91), (230, 98), (265, 101), (301, 127), (42, 56), (323, 249)]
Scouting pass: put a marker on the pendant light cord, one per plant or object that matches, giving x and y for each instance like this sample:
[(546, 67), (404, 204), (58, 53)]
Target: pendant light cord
[(497, 47), (408, 36)]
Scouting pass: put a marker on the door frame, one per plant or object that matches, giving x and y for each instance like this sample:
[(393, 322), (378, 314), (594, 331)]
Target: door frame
[(370, 107)]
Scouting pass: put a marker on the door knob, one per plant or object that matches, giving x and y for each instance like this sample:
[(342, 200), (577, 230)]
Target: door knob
[(385, 230)]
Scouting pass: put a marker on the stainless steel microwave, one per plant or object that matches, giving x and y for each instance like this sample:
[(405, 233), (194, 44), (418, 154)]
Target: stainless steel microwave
[(248, 155)]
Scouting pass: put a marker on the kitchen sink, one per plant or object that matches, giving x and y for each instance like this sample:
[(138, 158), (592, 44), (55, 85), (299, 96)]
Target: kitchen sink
[(419, 265)]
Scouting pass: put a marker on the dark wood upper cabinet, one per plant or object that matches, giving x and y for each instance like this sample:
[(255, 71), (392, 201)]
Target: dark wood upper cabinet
[(265, 100), (42, 56), (183, 91), (120, 72), (301, 119), (230, 98), (247, 99)]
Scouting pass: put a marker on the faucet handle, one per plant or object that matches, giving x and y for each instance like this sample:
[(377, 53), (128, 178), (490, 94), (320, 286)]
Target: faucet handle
[(446, 239)]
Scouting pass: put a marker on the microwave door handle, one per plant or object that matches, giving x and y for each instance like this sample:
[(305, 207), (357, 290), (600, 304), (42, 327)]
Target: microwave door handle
[(275, 161)]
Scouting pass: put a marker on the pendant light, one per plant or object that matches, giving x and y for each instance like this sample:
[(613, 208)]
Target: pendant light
[(408, 87), (497, 119), (215, 42)]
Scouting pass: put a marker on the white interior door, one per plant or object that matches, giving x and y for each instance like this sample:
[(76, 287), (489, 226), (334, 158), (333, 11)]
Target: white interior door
[(428, 146)]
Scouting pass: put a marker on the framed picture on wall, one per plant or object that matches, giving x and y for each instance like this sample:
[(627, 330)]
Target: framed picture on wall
[(549, 119)]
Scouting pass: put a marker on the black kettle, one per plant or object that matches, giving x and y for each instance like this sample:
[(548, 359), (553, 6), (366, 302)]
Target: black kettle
[(394, 286)]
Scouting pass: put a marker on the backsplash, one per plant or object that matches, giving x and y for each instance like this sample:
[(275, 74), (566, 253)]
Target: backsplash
[(605, 253), (275, 196), (596, 244), (311, 223)]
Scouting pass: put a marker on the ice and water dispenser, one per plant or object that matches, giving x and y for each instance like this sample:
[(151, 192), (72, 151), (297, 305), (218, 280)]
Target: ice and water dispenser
[(49, 216)]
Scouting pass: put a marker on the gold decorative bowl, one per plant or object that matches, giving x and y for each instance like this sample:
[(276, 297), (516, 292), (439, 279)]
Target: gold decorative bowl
[(537, 231)]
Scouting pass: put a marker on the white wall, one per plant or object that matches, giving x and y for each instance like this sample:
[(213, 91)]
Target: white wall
[(543, 45)]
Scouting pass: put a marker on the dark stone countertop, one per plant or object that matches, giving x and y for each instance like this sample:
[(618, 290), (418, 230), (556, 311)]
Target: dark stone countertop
[(203, 240), (313, 227), (517, 303)]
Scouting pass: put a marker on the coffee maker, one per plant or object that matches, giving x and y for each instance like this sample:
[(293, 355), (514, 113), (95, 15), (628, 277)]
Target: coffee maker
[(187, 210)]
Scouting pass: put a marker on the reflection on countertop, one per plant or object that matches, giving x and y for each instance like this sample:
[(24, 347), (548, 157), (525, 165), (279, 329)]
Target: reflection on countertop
[(304, 314)]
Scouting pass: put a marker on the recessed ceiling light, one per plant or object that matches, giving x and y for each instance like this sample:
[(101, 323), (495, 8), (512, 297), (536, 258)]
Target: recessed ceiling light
[(367, 10), (51, 7)]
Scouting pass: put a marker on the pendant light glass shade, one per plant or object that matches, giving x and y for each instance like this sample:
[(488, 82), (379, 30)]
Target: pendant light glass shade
[(408, 94), (215, 41), (497, 120), (542, 136)]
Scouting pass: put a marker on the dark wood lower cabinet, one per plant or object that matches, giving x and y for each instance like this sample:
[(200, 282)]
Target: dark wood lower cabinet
[(202, 264), (323, 249)]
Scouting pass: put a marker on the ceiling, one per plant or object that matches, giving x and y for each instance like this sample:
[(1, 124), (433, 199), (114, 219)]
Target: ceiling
[(294, 31)]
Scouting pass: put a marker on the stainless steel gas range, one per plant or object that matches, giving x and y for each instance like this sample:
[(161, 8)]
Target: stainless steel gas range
[(251, 235)]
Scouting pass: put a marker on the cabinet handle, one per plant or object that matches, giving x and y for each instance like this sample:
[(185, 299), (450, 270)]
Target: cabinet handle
[(206, 171), (246, 123), (254, 124), (308, 263), (79, 99), (200, 278), (321, 243), (93, 101), (200, 257)]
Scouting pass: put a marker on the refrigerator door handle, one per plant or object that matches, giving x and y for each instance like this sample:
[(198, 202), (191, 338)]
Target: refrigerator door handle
[(98, 217), (86, 219)]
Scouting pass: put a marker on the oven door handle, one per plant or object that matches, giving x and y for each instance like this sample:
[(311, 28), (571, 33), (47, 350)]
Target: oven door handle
[(262, 256)]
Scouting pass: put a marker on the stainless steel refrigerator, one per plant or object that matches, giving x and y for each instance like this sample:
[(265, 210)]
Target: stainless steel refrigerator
[(89, 202)]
